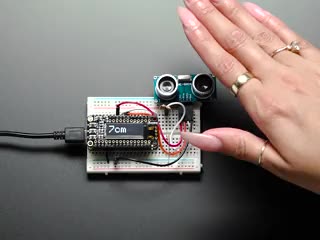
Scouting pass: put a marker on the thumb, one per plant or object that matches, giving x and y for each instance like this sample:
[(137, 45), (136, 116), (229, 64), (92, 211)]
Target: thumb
[(237, 143), (246, 146)]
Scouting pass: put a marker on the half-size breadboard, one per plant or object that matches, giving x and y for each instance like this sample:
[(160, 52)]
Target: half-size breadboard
[(97, 161)]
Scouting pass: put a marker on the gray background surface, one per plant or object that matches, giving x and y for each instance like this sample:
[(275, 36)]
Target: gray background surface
[(55, 53)]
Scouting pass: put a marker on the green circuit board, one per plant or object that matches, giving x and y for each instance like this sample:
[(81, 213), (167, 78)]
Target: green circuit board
[(185, 93)]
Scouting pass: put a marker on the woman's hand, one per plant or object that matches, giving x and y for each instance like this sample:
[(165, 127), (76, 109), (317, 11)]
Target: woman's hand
[(283, 98)]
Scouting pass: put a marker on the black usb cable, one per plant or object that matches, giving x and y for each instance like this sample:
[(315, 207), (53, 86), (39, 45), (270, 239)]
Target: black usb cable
[(73, 135)]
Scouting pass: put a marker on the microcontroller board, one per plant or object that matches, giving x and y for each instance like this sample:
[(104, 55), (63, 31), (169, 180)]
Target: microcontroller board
[(122, 132)]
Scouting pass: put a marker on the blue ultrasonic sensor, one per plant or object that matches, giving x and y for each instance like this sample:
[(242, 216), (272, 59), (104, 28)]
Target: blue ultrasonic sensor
[(185, 88)]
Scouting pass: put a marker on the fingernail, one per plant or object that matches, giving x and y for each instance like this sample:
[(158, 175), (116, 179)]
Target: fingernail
[(203, 141), (255, 10), (188, 20)]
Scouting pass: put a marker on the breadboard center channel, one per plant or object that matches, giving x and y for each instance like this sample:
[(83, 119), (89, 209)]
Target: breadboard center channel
[(98, 162)]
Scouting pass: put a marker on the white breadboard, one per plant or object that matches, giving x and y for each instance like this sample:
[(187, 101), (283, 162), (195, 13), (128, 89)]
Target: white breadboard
[(97, 162)]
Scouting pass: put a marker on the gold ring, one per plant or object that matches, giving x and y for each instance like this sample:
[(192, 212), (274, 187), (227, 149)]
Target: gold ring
[(293, 47), (241, 80), (263, 148)]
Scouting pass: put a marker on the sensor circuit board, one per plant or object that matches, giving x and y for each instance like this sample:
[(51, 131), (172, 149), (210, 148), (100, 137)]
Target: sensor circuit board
[(187, 89)]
